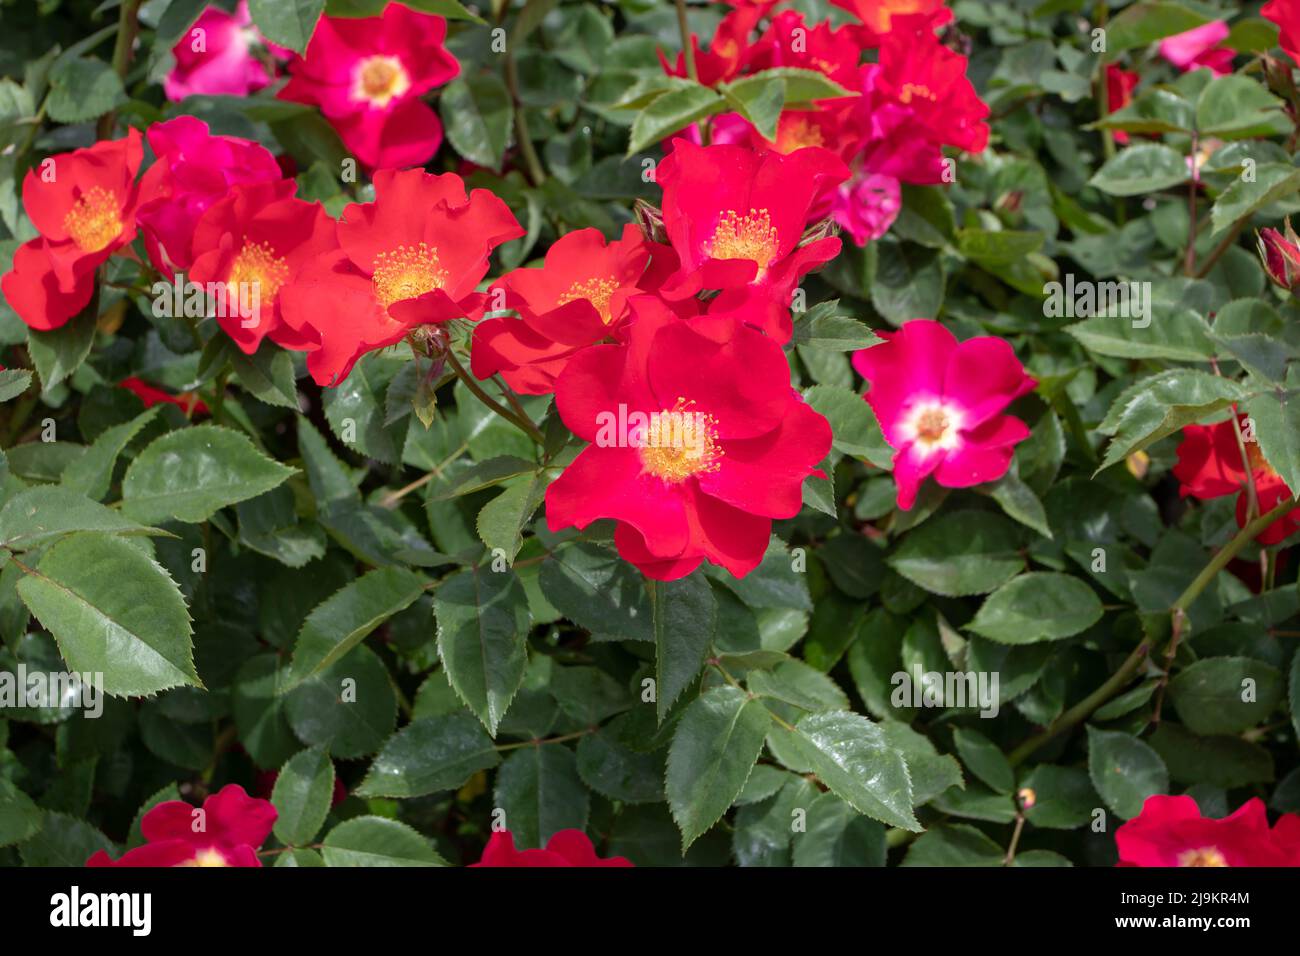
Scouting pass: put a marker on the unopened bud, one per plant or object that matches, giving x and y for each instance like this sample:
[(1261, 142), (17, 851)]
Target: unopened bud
[(1280, 254)]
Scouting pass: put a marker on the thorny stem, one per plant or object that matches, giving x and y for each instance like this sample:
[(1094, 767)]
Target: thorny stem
[(563, 738), (472, 384), (128, 24), (1117, 681)]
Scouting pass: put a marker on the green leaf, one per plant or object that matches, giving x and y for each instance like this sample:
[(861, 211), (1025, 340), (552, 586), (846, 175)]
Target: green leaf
[(289, 23), (1237, 107), (965, 552), (92, 473), (599, 591), (349, 708), (1018, 501), (617, 771), (997, 247), (1124, 770), (483, 620), (1145, 23), (59, 353), (1140, 169), (13, 382), (20, 818), (64, 841), (1037, 606), (714, 747), (429, 755), (302, 795), (953, 844), (984, 759), (82, 89), (851, 756), (267, 375), (670, 112), (34, 516), (1242, 199), (685, 615), (802, 85), (1156, 407), (541, 793), (1181, 336), (1225, 695), (758, 99), (838, 835), (345, 618), (191, 474), (1276, 416), (907, 280), (502, 520), (853, 424), (377, 841), (114, 611), (477, 114)]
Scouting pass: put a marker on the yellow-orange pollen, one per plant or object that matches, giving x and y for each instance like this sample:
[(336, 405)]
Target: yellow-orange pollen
[(680, 442), (258, 263), (596, 291), (95, 220), (797, 133), (932, 424), (1258, 464), (1205, 856), (912, 91), (380, 79), (206, 858), (747, 236), (407, 272)]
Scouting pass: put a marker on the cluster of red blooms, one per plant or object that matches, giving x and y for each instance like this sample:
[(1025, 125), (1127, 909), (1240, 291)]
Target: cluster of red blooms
[(908, 104), (664, 352)]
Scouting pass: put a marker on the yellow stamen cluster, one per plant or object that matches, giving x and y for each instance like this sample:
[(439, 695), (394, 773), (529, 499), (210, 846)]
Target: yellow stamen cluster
[(798, 133), (931, 424), (1205, 856), (380, 79), (596, 291), (745, 236), (95, 220), (258, 263), (206, 858), (406, 272), (679, 443), (912, 91)]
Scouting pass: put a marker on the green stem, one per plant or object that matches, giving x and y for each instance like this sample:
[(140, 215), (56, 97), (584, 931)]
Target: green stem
[(1084, 708), (472, 384), (688, 48), (1228, 242), (128, 25)]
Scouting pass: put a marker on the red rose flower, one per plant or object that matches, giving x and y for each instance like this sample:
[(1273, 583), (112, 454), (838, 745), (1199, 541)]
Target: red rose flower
[(577, 298), (227, 832), (789, 41), (193, 170), (413, 256), (1199, 47), (1120, 84), (565, 848), (736, 218), (1210, 466), (726, 56), (1286, 14), (940, 402), (1170, 831), (258, 238), (226, 65), (188, 402), (368, 75), (879, 16), (83, 204), (697, 442), (921, 74)]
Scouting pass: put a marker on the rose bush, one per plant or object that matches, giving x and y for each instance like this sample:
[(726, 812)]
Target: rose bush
[(558, 433)]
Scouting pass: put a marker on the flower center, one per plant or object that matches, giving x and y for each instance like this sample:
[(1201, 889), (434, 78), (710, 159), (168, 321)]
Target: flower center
[(933, 426), (406, 272), (206, 858), (379, 80), (680, 442), (911, 91), (797, 133), (1205, 856), (258, 266), (748, 236), (95, 220), (596, 291)]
